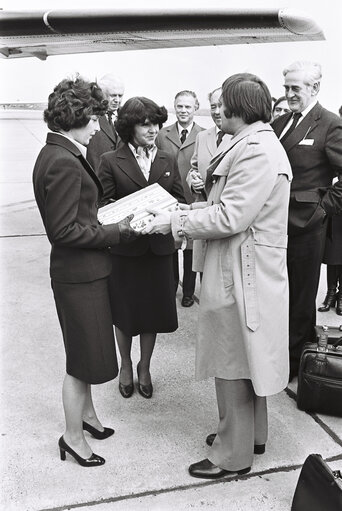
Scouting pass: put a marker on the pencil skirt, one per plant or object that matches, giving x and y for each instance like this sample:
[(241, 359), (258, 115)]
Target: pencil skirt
[(85, 317), (143, 294)]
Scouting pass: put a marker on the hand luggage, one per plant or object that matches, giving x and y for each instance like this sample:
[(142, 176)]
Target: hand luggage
[(318, 488), (320, 374)]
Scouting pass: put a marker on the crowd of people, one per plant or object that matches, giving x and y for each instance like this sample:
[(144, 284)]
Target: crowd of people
[(260, 204)]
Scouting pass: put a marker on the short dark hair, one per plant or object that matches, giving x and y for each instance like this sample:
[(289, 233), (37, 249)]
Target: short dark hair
[(72, 103), (277, 101), (136, 111), (245, 95)]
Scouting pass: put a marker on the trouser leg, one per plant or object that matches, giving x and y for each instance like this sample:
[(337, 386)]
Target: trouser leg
[(242, 423), (189, 276), (176, 269)]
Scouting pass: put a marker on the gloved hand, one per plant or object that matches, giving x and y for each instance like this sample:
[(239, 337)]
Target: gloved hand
[(127, 233)]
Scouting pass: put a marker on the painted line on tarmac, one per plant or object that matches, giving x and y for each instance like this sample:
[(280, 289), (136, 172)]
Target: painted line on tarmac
[(150, 493), (22, 235), (317, 419), (17, 203)]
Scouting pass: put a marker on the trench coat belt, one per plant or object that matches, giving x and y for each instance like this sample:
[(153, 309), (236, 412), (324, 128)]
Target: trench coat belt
[(249, 283)]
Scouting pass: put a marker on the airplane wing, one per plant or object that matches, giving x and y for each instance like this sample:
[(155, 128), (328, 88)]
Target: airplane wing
[(41, 34)]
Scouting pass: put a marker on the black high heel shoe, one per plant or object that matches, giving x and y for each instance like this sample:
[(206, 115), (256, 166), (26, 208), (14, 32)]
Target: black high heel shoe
[(339, 304), (145, 391), (99, 435), (329, 300), (93, 461)]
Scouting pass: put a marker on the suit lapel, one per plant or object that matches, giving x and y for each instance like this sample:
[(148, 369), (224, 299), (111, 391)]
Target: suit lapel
[(129, 165), (211, 141), (305, 127), (107, 128), (57, 139), (280, 125), (172, 134), (191, 138), (157, 168)]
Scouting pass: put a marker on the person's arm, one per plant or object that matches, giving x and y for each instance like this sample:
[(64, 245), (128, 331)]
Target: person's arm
[(107, 179), (193, 178)]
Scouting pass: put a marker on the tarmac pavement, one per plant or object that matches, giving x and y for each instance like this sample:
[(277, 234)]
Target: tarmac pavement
[(155, 440)]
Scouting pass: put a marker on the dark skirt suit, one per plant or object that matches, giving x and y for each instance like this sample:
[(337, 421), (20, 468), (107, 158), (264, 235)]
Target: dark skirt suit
[(142, 283), (67, 192)]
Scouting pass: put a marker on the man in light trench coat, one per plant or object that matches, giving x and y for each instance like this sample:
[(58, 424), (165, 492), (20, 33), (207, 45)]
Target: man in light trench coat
[(243, 320)]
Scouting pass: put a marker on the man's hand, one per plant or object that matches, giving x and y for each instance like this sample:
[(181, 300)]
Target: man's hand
[(161, 224), (197, 183), (127, 233)]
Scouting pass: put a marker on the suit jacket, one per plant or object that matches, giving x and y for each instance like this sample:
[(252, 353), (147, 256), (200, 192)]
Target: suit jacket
[(205, 150), (67, 192), (105, 140), (168, 140), (121, 175), (314, 149)]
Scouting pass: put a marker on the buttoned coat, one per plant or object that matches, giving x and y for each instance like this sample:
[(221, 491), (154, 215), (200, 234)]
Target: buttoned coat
[(168, 140), (106, 139), (243, 318), (67, 192), (314, 150), (121, 175)]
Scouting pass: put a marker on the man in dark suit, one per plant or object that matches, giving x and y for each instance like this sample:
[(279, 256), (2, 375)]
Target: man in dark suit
[(107, 138), (179, 140), (312, 138)]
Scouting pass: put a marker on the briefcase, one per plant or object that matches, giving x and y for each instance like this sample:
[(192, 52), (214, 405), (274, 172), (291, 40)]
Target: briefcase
[(318, 488), (320, 374)]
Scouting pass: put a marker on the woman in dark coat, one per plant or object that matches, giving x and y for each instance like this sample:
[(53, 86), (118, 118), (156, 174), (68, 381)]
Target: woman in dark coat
[(67, 192), (141, 283), (333, 259)]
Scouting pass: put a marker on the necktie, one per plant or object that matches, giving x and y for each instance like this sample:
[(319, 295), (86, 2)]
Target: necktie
[(220, 136), (295, 120), (110, 117), (183, 136)]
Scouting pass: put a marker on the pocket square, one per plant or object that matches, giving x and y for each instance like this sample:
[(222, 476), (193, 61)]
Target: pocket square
[(167, 174), (307, 141)]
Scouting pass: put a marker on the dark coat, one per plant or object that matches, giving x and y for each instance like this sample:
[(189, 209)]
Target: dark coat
[(105, 140), (67, 192), (168, 140), (314, 149), (121, 175)]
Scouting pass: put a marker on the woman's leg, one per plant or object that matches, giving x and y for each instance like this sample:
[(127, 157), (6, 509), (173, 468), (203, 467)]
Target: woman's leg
[(89, 413), (124, 342), (147, 342), (74, 399)]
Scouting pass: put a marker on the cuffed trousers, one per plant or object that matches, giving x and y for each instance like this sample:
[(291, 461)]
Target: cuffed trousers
[(242, 423)]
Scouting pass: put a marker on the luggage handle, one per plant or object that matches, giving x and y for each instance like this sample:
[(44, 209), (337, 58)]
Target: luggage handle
[(323, 342)]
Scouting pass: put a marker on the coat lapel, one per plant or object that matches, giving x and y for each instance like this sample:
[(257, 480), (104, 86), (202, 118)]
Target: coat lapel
[(158, 168), (107, 128), (129, 165), (191, 138), (57, 139), (305, 127), (211, 141), (172, 135)]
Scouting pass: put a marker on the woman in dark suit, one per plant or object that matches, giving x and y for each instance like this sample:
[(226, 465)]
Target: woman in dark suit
[(67, 192), (141, 283)]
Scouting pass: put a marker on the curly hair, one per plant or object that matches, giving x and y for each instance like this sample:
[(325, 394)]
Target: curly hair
[(136, 111), (72, 103), (245, 95)]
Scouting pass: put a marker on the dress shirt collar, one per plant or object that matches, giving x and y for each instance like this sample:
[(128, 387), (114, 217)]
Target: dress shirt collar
[(188, 129), (308, 109)]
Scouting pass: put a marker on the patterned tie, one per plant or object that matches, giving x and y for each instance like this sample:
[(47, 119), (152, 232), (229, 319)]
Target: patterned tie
[(220, 136), (295, 120), (184, 134), (110, 117)]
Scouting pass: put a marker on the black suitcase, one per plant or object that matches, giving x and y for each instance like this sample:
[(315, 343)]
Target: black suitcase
[(320, 373)]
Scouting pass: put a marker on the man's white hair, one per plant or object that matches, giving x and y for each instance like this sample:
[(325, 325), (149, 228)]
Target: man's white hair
[(107, 81), (313, 70)]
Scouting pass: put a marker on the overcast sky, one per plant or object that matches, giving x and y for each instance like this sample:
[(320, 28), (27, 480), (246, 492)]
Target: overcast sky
[(159, 74)]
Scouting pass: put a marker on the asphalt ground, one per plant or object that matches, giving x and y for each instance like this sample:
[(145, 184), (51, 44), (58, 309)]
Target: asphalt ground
[(155, 440)]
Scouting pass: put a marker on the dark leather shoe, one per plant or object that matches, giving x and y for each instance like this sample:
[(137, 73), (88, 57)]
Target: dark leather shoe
[(99, 435), (258, 448), (207, 470), (145, 391), (187, 301), (126, 390)]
